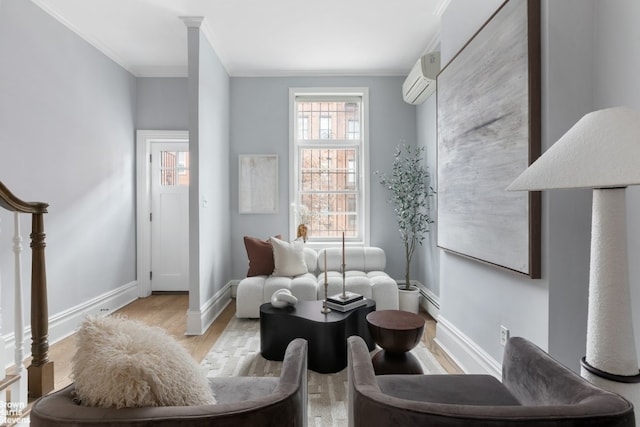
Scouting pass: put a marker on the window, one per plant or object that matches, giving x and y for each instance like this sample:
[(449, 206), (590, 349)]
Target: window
[(325, 127), (329, 159), (174, 168), (303, 127)]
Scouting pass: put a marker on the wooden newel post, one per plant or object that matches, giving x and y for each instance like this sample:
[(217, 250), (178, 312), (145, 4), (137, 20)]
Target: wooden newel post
[(41, 369)]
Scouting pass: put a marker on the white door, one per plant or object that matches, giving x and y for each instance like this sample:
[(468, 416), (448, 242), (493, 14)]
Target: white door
[(169, 216)]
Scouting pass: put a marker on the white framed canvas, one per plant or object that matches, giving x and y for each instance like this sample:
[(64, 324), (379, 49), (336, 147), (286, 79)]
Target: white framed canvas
[(488, 107), (258, 183)]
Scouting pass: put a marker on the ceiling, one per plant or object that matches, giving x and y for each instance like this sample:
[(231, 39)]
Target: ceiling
[(260, 37)]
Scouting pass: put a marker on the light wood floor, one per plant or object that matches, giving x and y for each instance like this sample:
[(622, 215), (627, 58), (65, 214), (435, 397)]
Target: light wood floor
[(169, 312)]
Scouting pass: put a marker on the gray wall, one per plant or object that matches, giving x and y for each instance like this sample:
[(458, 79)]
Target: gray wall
[(162, 103), (208, 99), (67, 122), (616, 70), (259, 125), (475, 298), (427, 259), (567, 95)]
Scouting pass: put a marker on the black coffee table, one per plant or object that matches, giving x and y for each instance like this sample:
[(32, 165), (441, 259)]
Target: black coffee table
[(326, 334)]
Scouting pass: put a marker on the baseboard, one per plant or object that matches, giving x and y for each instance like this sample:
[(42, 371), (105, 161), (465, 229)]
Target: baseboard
[(198, 321), (65, 323), (429, 301), (234, 287), (464, 352)]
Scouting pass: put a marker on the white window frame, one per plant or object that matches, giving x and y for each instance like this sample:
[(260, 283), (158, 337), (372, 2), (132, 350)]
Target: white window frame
[(364, 172)]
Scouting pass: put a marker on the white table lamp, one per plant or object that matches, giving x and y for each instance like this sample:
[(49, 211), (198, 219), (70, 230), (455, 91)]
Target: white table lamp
[(601, 151)]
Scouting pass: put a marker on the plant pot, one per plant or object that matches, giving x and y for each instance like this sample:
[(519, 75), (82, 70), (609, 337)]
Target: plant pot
[(409, 299)]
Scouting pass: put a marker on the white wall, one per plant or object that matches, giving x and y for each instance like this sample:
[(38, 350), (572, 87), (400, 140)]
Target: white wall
[(67, 116), (259, 125)]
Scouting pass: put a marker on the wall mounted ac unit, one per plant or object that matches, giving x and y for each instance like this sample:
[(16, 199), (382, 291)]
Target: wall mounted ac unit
[(421, 81)]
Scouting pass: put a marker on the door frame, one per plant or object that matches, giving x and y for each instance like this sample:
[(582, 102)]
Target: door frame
[(144, 139)]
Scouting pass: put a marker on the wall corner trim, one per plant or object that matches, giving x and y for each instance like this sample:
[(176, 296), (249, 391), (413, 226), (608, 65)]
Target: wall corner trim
[(198, 321), (464, 352)]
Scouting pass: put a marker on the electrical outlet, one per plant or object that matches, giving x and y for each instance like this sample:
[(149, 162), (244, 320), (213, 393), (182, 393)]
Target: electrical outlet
[(504, 335), (104, 309)]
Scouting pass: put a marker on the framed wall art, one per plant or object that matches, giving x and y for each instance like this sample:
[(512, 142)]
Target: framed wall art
[(258, 184), (488, 115)]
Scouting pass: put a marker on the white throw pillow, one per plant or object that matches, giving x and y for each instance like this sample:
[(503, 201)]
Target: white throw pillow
[(121, 363), (288, 258)]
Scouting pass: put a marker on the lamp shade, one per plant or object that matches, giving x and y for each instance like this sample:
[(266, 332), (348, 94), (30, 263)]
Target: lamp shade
[(602, 150)]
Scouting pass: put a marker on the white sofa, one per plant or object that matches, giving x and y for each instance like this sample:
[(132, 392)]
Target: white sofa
[(256, 290), (365, 275)]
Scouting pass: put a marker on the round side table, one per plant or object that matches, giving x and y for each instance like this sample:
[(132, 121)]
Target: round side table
[(397, 332)]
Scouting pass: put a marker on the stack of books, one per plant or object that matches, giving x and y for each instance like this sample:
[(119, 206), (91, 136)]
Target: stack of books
[(340, 303)]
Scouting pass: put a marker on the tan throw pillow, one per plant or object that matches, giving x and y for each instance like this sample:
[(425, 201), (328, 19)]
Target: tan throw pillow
[(288, 257), (121, 363), (260, 254)]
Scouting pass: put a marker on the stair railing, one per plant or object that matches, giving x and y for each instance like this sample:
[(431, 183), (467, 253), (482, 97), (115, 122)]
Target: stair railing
[(40, 371)]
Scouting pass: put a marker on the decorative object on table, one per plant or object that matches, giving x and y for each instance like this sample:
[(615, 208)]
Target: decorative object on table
[(601, 152), (345, 300), (344, 272), (283, 298), (484, 144), (325, 308), (339, 298), (339, 305), (410, 194), (258, 184)]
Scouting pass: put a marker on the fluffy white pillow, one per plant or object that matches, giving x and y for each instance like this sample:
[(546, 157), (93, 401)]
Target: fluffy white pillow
[(288, 258), (124, 363)]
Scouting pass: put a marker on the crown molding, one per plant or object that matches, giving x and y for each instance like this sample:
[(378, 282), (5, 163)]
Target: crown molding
[(441, 7), (92, 41), (433, 44), (163, 71), (192, 21)]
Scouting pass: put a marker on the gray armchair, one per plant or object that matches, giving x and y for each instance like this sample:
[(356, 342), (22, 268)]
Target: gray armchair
[(535, 391), (242, 401)]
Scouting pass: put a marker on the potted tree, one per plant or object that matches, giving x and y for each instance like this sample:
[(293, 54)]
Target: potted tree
[(410, 191)]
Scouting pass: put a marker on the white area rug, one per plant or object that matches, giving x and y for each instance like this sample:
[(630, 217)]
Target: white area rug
[(237, 353)]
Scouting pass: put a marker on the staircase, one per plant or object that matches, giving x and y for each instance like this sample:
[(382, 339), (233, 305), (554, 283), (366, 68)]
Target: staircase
[(18, 386)]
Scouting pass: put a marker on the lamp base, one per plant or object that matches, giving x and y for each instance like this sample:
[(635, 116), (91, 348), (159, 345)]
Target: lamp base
[(611, 350), (630, 390), (593, 371)]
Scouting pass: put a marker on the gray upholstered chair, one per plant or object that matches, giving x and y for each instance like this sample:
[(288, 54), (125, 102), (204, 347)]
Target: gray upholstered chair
[(535, 391), (242, 401)]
